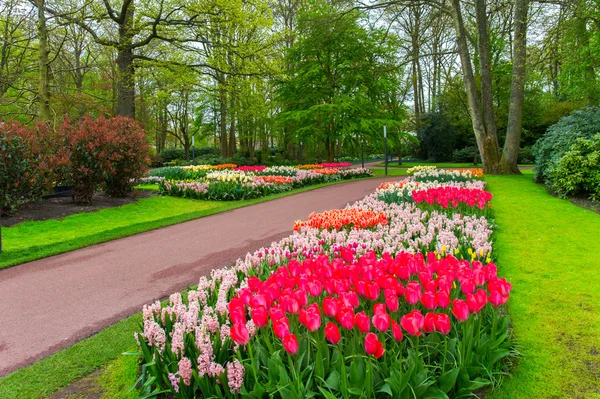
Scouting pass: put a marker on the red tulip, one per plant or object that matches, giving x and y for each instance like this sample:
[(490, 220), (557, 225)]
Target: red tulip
[(396, 331), (276, 313), (260, 316), (239, 334), (330, 306), (496, 298), (301, 297), (379, 308), (381, 321), (290, 344), (467, 286), (281, 327), (362, 322), (373, 346), (442, 298), (372, 291), (237, 314), (428, 300), (254, 283), (345, 317), (412, 292), (289, 304), (311, 317), (429, 324), (347, 254), (442, 323), (413, 322), (476, 302), (258, 300), (315, 288), (332, 333), (391, 300), (350, 299), (460, 310)]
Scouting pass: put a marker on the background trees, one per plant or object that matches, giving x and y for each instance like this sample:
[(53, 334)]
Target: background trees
[(299, 79)]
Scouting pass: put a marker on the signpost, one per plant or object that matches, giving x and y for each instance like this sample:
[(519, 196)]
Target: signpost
[(193, 148)]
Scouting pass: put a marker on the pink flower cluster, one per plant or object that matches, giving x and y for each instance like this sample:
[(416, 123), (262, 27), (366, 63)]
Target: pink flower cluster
[(453, 196), (255, 169)]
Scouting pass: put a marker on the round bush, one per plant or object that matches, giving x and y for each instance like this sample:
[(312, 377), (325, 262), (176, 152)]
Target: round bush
[(578, 171), (560, 137)]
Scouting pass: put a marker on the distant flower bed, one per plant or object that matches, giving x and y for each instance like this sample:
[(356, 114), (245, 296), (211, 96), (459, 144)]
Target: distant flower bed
[(229, 182), (380, 299)]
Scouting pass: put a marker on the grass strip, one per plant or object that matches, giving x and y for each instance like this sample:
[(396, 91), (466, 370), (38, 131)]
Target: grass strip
[(34, 240), (48, 375), (548, 248)]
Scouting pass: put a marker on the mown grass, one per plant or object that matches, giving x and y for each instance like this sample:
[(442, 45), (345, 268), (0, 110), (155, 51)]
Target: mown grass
[(548, 249), (34, 240), (48, 375)]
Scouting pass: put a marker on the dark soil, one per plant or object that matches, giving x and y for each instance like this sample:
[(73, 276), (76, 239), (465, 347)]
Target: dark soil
[(56, 208)]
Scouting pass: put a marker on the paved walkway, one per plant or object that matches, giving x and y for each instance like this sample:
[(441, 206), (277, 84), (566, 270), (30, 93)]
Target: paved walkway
[(49, 304)]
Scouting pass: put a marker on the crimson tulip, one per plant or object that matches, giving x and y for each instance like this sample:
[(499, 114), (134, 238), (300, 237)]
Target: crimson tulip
[(412, 292), (311, 317), (413, 322), (290, 344), (381, 321), (429, 323), (467, 286), (397, 331), (476, 302), (260, 316), (378, 308), (281, 327), (442, 323), (330, 306), (442, 298), (391, 300), (428, 300), (315, 288), (239, 334), (345, 317), (362, 322), (373, 346), (460, 310), (332, 333)]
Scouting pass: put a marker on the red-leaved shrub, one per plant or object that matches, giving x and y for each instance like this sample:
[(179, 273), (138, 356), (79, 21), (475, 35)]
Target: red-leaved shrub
[(105, 152), (129, 156)]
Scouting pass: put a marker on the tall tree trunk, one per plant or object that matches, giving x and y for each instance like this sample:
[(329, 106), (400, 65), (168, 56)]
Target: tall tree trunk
[(126, 80), (232, 146), (485, 66), (508, 163), (486, 141), (44, 83), (223, 121)]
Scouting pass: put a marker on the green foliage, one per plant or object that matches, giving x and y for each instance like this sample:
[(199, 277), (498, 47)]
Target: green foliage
[(526, 155), (342, 80), (578, 171), (437, 136), (465, 155), (560, 137)]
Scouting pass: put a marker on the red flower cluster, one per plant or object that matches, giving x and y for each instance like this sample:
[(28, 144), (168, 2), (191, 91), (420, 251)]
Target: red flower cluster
[(368, 294), (453, 196), (251, 168), (339, 218), (336, 165), (274, 179)]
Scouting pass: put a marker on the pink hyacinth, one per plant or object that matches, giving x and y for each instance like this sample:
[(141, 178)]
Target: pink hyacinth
[(235, 376), (185, 370)]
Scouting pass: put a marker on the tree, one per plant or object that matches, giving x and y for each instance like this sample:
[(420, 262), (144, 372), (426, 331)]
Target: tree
[(341, 73)]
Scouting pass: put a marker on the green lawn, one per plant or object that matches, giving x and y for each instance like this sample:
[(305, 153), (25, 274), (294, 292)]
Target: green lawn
[(548, 249), (394, 164), (29, 241)]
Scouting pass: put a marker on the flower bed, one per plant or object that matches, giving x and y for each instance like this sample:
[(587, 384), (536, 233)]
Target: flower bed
[(228, 182), (378, 300)]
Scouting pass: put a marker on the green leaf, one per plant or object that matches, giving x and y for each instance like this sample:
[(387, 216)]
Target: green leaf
[(447, 380), (386, 389), (435, 393)]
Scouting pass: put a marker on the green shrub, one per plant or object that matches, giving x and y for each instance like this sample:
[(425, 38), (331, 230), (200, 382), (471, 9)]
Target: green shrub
[(560, 137), (437, 136), (526, 156), (171, 154), (578, 171), (465, 155)]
